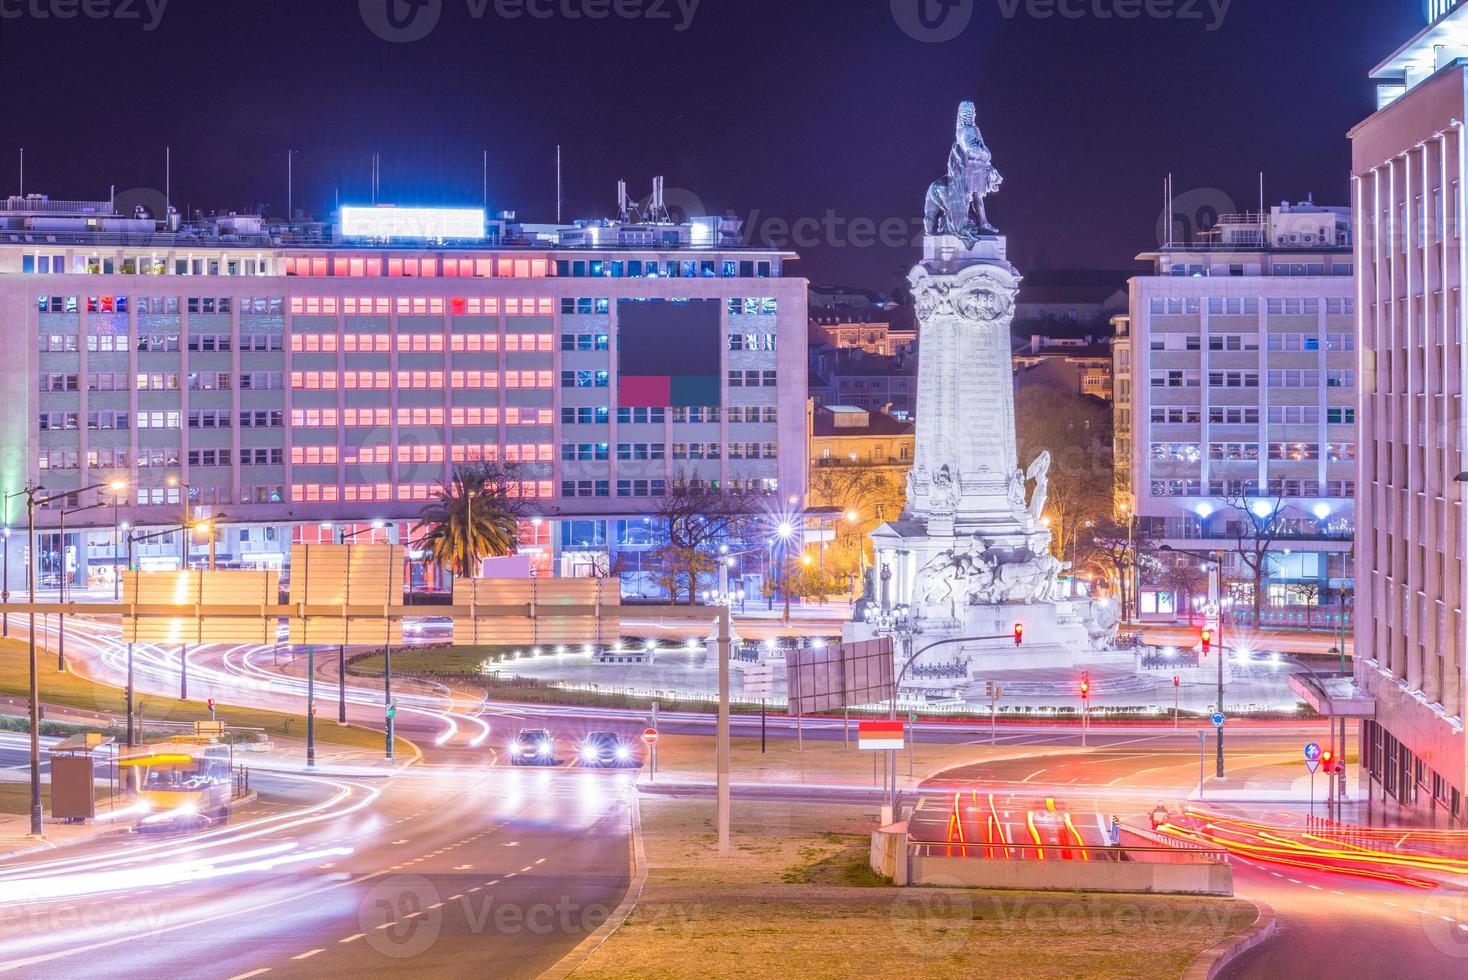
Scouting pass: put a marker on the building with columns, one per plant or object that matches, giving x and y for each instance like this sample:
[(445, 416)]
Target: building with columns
[(1408, 172)]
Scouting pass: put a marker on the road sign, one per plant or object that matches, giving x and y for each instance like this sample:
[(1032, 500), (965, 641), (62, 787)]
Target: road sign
[(1217, 719), (872, 735), (1177, 681), (650, 736), (392, 710), (759, 681), (1312, 752), (1312, 765), (209, 729)]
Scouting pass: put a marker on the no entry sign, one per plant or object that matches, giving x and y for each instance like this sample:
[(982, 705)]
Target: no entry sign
[(650, 736)]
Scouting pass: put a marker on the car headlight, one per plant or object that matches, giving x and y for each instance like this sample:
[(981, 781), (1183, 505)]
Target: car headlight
[(588, 753), (545, 748), (623, 753)]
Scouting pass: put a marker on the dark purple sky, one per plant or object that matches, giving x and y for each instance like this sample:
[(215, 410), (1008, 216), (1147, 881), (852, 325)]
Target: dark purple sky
[(821, 111)]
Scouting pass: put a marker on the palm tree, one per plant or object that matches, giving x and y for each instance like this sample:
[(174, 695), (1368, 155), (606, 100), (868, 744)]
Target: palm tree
[(471, 517)]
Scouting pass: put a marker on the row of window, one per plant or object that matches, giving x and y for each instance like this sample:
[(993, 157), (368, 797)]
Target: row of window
[(1237, 415), (429, 380), (430, 343), (163, 305), (1277, 342), (431, 267), (330, 418), (1336, 452), (351, 493), (1250, 379), (1252, 488), (1299, 306), (668, 269)]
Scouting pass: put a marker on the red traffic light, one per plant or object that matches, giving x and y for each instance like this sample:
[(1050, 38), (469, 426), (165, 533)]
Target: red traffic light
[(1019, 633), (1327, 759), (1177, 681), (1207, 639), (1085, 689)]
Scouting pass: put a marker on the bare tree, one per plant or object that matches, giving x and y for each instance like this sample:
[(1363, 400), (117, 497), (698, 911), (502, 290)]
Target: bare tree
[(1183, 577), (1255, 532), (695, 522), (1076, 429), (1310, 593), (1107, 544)]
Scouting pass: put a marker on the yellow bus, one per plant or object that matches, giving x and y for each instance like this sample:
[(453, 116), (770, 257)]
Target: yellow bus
[(181, 788)]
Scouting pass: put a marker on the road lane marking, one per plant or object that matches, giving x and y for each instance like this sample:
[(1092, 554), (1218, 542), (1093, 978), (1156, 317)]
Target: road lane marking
[(252, 973), (513, 843), (352, 939), (455, 898), (412, 915), (541, 861), (308, 954), (436, 905), (387, 925), (1032, 775)]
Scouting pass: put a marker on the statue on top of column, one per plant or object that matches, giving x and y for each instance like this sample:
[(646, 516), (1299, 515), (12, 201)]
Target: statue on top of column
[(955, 204)]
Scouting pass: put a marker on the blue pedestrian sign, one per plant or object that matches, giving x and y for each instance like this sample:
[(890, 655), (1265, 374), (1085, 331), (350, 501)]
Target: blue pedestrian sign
[(1217, 719), (1312, 752)]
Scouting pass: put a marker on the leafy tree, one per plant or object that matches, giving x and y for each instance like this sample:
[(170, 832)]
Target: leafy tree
[(1076, 429), (470, 518)]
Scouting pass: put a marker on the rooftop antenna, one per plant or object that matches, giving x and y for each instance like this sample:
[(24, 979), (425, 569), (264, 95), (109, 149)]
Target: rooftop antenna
[(622, 213), (22, 174), (290, 185), (1261, 195), (657, 210), (167, 177), (558, 183), (486, 180)]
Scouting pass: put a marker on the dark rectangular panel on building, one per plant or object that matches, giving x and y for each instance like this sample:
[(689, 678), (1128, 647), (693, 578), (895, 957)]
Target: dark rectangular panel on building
[(669, 353)]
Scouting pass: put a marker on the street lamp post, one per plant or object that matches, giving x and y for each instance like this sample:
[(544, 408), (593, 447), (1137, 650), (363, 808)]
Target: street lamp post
[(5, 588), (341, 652), (1215, 604), (116, 544), (32, 501), (62, 581)]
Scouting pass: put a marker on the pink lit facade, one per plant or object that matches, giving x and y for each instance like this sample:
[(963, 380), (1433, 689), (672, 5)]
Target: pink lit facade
[(341, 383)]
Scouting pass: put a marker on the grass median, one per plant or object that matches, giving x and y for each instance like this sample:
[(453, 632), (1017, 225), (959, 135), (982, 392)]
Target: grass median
[(797, 898), (68, 690)]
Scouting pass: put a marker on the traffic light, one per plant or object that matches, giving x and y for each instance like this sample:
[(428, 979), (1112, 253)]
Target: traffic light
[(1207, 641), (1327, 761), (1085, 689), (1019, 634)]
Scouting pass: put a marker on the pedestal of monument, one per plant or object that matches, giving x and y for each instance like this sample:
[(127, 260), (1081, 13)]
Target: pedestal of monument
[(971, 557)]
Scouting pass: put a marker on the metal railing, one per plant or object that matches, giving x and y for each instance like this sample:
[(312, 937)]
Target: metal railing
[(999, 851)]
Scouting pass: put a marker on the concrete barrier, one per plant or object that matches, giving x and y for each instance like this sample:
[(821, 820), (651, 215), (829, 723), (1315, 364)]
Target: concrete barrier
[(1198, 877), (889, 852)]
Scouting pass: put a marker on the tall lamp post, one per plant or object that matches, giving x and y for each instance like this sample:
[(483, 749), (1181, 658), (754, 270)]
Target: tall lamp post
[(32, 501), (184, 490), (116, 544), (1215, 605), (341, 653), (5, 589), (63, 514), (784, 531), (133, 538)]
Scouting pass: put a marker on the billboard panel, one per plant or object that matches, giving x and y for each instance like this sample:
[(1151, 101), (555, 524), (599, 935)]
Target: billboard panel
[(543, 594), (194, 587), (346, 575), (424, 223), (845, 676)]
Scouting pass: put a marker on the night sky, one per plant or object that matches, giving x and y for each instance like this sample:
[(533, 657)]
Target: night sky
[(777, 109)]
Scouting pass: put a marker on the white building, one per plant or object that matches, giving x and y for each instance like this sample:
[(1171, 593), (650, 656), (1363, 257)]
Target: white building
[(296, 375), (1408, 168), (1235, 388)]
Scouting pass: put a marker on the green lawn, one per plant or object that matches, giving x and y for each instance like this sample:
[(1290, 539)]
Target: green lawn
[(71, 691)]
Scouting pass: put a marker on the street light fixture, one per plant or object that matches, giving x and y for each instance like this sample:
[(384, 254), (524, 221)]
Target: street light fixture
[(134, 538), (32, 501), (1215, 573)]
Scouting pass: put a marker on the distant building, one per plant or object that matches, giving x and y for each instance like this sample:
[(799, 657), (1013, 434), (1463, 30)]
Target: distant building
[(847, 436), (1408, 172), (868, 381), (1081, 365), (1239, 395), (876, 337), (1069, 302), (827, 299)]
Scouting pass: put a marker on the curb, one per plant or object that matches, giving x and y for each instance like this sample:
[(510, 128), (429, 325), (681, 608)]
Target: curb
[(1214, 960), (573, 960)]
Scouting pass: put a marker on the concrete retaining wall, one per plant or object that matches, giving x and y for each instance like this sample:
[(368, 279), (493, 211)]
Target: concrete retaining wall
[(889, 852), (1195, 878), (1075, 876)]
